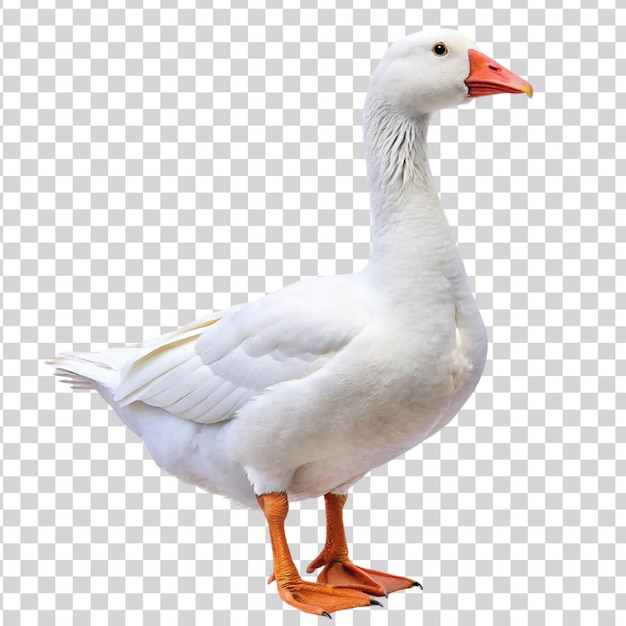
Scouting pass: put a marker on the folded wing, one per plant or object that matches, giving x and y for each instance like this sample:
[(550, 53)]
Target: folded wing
[(206, 372)]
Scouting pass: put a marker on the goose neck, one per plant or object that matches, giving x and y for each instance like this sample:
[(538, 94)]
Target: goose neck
[(407, 219)]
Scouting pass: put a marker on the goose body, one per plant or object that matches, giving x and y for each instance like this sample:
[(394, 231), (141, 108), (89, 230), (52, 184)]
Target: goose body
[(302, 392), (328, 362)]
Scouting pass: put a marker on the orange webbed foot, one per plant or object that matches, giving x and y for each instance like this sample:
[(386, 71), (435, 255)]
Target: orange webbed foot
[(347, 574), (322, 599)]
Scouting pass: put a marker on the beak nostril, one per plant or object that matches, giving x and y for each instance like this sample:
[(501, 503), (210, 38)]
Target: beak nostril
[(495, 68)]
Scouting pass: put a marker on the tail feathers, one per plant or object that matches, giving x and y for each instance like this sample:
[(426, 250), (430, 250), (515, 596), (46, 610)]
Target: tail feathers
[(74, 380), (86, 370)]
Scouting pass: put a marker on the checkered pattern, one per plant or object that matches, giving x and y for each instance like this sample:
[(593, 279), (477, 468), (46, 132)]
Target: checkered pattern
[(159, 162)]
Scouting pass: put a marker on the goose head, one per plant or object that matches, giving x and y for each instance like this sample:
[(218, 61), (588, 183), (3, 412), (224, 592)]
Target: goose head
[(436, 69)]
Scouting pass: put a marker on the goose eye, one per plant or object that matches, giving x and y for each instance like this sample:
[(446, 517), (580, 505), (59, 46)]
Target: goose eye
[(440, 49)]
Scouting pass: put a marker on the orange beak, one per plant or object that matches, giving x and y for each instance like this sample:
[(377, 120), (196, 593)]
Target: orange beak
[(487, 77)]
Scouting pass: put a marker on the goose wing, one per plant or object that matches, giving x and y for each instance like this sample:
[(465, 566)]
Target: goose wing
[(208, 370)]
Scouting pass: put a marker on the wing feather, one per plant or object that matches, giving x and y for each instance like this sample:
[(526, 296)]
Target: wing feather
[(193, 396), (218, 406), (161, 384)]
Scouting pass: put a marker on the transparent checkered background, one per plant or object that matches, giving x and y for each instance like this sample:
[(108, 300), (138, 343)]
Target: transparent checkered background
[(161, 161)]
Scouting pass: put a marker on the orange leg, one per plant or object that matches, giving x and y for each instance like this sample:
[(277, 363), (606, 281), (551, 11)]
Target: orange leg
[(315, 598), (338, 569)]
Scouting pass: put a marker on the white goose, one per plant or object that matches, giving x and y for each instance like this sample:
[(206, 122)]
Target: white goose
[(301, 393)]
